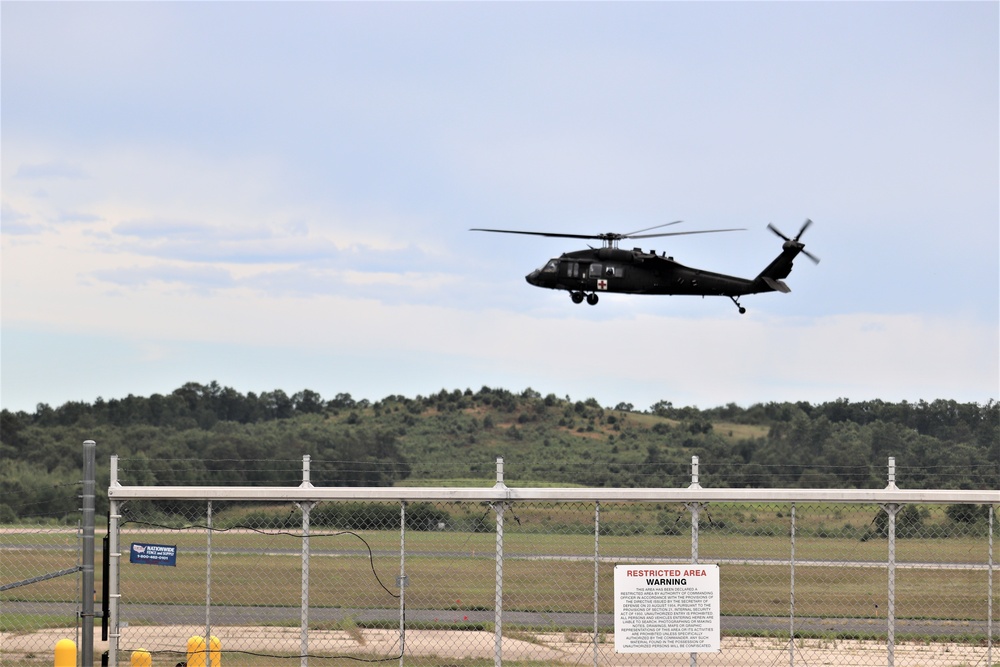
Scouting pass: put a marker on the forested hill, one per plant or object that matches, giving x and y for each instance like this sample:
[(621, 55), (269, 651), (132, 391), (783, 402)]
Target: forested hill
[(209, 434)]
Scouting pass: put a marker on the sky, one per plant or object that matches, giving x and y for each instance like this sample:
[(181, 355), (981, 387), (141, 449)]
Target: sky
[(279, 196)]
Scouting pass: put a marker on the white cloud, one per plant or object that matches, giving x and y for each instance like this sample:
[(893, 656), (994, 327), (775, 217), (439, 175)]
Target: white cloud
[(305, 175), (50, 170)]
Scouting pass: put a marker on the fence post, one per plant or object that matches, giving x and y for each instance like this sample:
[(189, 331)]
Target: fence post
[(306, 507), (791, 590), (989, 593), (890, 612), (597, 572), (114, 516), (498, 601), (87, 640), (401, 581), (695, 509), (208, 586)]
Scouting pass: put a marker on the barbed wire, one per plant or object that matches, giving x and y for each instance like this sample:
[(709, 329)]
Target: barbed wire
[(631, 474)]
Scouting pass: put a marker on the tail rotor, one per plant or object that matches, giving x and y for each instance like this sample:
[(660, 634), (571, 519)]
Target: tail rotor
[(794, 242)]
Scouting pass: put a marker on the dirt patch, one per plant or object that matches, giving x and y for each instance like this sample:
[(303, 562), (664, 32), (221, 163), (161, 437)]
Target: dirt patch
[(542, 648)]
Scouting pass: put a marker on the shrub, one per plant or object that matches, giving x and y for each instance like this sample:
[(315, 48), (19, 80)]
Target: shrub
[(967, 514)]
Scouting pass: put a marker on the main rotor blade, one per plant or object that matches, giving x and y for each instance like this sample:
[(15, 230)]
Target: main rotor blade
[(610, 236), (551, 234), (703, 231), (665, 224)]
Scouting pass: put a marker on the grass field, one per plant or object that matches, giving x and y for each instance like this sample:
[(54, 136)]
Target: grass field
[(542, 572)]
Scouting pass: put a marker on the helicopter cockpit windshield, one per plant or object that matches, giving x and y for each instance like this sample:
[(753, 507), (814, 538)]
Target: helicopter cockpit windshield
[(546, 275)]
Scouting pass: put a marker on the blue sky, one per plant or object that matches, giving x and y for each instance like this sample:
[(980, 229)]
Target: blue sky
[(278, 196)]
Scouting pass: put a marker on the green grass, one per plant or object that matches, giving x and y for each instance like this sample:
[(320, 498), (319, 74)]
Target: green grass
[(736, 432), (457, 571), (456, 482), (20, 624), (468, 482)]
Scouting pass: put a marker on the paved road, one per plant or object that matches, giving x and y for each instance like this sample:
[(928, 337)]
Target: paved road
[(344, 553)]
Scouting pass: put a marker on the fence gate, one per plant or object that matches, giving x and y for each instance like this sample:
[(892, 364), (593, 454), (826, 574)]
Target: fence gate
[(46, 571)]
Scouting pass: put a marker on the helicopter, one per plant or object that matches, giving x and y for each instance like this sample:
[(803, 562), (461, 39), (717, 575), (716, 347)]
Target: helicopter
[(610, 269)]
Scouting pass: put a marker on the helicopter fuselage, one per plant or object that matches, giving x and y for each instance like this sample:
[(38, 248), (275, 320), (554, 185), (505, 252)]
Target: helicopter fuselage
[(635, 271)]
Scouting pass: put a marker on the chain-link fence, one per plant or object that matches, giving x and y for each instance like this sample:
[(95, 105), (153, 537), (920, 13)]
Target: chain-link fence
[(433, 583), (526, 577), (469, 577)]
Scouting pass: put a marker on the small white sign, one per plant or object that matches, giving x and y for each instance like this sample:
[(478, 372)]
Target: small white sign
[(667, 608)]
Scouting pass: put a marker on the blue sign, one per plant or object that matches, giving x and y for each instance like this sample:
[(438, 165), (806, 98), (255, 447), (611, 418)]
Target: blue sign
[(153, 554)]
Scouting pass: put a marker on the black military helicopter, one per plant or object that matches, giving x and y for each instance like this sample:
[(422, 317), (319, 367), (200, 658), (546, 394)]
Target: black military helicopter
[(585, 273)]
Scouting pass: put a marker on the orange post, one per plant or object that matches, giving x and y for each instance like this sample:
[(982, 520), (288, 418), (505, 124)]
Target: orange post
[(141, 658), (65, 653), (196, 652), (215, 651)]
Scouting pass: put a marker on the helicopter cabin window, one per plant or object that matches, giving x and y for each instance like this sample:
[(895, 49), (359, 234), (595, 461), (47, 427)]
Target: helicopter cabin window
[(550, 266), (602, 271), (570, 269)]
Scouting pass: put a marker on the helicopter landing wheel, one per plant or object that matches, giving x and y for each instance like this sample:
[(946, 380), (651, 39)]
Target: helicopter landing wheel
[(576, 296), (742, 310), (592, 299), (736, 300)]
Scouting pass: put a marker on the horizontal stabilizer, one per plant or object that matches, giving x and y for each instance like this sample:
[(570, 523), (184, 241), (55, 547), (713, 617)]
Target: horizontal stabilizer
[(777, 285)]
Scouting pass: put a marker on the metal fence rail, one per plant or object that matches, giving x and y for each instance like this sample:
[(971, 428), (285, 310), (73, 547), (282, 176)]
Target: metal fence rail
[(428, 576)]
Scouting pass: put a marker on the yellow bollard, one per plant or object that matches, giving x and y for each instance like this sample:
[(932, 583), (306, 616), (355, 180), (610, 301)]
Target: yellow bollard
[(65, 653), (141, 658), (196, 652), (215, 651)]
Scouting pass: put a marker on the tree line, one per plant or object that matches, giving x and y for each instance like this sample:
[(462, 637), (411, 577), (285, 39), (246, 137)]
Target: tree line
[(215, 435)]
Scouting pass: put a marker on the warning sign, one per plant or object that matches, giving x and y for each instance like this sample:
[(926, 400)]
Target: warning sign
[(667, 608)]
